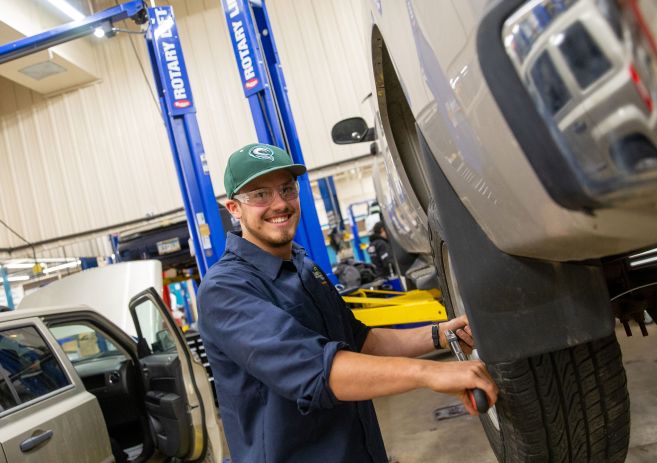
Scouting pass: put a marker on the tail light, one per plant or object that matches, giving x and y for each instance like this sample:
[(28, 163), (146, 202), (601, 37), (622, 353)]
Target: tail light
[(641, 88)]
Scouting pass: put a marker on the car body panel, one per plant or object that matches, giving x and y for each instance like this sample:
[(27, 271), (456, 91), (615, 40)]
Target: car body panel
[(433, 49), (399, 205), (106, 289), (67, 412), (207, 430)]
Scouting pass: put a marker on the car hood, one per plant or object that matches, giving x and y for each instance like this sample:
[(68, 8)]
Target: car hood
[(107, 290)]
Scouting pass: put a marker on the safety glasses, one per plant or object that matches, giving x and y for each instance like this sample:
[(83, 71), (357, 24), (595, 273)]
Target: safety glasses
[(265, 196)]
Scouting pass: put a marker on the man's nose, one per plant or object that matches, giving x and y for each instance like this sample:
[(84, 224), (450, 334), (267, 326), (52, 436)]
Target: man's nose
[(279, 202)]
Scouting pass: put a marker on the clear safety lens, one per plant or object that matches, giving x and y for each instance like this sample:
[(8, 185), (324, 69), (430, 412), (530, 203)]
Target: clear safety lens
[(265, 196)]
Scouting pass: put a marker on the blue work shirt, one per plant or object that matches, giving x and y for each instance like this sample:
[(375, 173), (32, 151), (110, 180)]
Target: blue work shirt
[(271, 329)]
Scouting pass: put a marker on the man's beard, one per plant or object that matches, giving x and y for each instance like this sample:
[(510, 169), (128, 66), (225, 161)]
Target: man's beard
[(277, 241)]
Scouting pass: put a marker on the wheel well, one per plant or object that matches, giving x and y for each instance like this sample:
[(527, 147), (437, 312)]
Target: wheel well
[(630, 151), (397, 120)]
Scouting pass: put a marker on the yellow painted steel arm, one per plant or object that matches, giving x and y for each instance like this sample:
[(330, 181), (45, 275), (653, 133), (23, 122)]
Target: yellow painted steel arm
[(397, 308)]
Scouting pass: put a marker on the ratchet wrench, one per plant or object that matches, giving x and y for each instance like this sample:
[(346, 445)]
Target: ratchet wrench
[(477, 396)]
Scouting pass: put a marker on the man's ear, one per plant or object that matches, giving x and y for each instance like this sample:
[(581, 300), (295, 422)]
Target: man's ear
[(234, 208)]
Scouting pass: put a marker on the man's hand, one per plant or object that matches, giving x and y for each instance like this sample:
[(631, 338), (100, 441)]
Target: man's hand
[(456, 377), (461, 329)]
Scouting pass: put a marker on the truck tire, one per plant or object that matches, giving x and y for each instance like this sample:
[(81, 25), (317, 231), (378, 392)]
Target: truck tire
[(569, 405)]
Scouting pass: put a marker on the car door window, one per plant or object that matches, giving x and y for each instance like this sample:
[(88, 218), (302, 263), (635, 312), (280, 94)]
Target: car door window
[(153, 328), (585, 59), (28, 368), (83, 343), (549, 84)]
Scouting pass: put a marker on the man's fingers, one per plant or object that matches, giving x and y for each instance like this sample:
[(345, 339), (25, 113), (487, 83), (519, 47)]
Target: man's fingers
[(467, 403), (459, 326), (460, 378), (465, 337), (487, 384), (483, 373), (460, 321), (465, 348)]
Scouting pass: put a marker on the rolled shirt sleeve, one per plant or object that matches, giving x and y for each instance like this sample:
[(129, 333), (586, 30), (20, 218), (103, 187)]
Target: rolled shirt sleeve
[(269, 342), (358, 328)]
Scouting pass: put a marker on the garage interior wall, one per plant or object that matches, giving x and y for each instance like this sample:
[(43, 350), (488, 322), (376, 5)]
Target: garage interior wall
[(98, 155)]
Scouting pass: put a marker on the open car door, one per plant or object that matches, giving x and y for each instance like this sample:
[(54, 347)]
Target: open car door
[(178, 395)]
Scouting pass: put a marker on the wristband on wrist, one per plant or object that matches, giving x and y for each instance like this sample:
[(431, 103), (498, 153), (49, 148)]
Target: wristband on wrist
[(435, 335)]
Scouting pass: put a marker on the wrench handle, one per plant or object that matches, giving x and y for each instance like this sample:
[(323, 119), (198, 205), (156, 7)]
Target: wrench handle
[(478, 399), (477, 396)]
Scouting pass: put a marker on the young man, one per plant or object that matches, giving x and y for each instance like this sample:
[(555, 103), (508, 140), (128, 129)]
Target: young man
[(295, 372)]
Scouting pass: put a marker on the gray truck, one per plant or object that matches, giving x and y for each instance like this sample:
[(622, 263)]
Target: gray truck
[(517, 145)]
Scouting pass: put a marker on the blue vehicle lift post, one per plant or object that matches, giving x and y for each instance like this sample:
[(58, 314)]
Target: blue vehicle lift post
[(354, 230), (331, 203), (176, 103), (189, 157), (7, 287), (264, 86)]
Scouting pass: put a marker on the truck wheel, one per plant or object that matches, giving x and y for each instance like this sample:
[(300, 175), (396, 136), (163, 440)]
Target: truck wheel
[(568, 405)]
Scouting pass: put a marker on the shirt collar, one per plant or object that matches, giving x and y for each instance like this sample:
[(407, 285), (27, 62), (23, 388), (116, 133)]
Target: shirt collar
[(269, 264), (298, 254)]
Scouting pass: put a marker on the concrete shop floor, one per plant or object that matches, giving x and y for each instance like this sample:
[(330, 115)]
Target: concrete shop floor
[(411, 435)]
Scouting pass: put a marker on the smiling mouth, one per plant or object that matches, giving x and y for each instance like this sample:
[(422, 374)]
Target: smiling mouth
[(279, 219)]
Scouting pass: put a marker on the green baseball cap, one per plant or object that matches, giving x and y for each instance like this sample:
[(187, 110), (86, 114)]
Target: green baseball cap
[(255, 160)]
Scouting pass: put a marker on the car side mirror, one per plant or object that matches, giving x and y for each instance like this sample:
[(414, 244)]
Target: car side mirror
[(164, 340), (352, 130)]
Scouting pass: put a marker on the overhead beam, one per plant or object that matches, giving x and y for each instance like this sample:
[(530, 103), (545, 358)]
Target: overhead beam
[(72, 30)]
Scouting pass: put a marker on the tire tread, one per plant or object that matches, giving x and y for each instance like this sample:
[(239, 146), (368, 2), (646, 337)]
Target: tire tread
[(566, 406)]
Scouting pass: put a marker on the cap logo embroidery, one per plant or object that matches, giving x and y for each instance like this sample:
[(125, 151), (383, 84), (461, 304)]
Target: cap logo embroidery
[(262, 152)]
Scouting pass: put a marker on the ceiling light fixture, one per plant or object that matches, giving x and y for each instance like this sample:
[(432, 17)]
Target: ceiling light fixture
[(644, 253), (62, 266), (640, 262), (20, 265)]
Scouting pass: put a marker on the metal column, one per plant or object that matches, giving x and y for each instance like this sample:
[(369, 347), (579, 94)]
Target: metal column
[(331, 203), (354, 231), (264, 86), (7, 287), (176, 104), (179, 114)]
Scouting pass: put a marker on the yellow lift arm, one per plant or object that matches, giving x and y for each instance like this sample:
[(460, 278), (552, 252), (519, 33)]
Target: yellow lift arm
[(381, 308)]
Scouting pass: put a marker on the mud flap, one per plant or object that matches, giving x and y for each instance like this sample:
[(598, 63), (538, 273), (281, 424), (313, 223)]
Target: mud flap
[(517, 307)]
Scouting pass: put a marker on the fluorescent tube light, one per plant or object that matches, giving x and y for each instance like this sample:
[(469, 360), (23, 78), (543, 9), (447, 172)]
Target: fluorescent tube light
[(62, 266), (19, 265), (644, 253), (638, 263)]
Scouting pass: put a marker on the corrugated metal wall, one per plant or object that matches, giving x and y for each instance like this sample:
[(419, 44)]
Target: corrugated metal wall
[(99, 156)]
